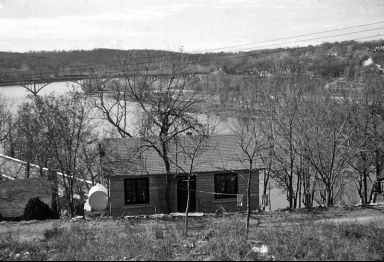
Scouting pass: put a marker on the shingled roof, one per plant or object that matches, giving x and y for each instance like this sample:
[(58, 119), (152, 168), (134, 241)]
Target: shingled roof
[(135, 156)]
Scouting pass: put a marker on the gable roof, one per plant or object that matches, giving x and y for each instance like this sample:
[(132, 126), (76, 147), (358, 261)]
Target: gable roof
[(135, 156)]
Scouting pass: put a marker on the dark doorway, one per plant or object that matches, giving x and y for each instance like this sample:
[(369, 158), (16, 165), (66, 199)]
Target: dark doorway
[(182, 193)]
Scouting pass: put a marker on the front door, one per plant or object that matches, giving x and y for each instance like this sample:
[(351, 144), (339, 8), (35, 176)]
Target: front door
[(182, 193)]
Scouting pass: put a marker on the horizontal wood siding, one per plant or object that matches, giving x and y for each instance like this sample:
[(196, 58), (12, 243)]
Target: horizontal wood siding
[(156, 197), (205, 199)]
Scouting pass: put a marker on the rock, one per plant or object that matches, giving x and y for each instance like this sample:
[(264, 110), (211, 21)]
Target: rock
[(189, 245), (77, 218), (26, 255), (220, 211), (263, 250), (201, 243), (11, 254), (208, 235), (17, 257), (257, 252)]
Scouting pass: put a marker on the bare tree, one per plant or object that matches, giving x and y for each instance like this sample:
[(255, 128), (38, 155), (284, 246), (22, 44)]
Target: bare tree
[(325, 133), (189, 150), (165, 99), (282, 100), (253, 145), (6, 121), (365, 95), (67, 129), (28, 141)]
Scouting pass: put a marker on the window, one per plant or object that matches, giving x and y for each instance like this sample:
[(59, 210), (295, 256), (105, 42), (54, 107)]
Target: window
[(225, 185), (136, 190)]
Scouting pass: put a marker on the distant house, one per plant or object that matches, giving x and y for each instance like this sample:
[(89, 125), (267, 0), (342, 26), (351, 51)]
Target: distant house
[(136, 177)]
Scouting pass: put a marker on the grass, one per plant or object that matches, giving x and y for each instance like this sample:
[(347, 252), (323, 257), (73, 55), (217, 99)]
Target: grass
[(210, 239), (326, 241)]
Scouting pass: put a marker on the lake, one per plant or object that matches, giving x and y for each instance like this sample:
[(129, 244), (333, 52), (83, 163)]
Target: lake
[(16, 95)]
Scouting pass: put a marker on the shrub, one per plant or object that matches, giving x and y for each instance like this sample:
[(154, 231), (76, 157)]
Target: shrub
[(37, 209)]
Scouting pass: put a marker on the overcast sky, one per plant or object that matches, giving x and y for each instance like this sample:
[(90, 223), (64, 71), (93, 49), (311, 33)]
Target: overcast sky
[(197, 25)]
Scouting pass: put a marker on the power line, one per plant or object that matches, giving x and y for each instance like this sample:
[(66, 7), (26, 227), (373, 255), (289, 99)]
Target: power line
[(291, 37), (316, 38), (274, 51)]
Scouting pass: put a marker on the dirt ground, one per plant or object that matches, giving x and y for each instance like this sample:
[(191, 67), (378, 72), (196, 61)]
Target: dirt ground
[(32, 230)]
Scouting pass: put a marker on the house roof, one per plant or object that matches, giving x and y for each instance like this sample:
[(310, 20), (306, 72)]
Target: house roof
[(136, 156)]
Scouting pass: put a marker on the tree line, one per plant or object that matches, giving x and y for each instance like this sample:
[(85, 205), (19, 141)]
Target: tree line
[(328, 60)]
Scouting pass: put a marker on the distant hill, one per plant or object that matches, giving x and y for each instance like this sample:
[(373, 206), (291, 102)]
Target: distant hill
[(328, 60)]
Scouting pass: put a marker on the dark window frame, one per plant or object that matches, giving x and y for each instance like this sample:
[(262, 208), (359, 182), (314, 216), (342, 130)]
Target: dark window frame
[(134, 182), (224, 177)]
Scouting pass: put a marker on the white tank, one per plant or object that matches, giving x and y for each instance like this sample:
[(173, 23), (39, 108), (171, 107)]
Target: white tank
[(87, 207), (97, 198)]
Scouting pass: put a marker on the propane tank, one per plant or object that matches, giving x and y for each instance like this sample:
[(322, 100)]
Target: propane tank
[(97, 198)]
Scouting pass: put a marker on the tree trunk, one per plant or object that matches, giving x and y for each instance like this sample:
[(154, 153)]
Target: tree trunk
[(360, 189), (371, 194), (300, 186), (249, 197), (330, 200), (167, 191), (365, 184), (187, 207), (290, 191), (167, 175), (265, 185), (28, 170), (54, 199)]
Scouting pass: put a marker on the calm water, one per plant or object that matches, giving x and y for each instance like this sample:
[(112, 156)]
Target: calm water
[(16, 95)]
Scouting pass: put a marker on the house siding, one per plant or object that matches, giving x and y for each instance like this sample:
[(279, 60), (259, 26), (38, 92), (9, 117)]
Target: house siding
[(156, 203), (205, 199), (206, 202)]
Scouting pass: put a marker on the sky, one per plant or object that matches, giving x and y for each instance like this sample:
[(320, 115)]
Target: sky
[(190, 25)]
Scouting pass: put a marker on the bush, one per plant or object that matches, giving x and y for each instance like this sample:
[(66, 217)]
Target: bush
[(37, 209)]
